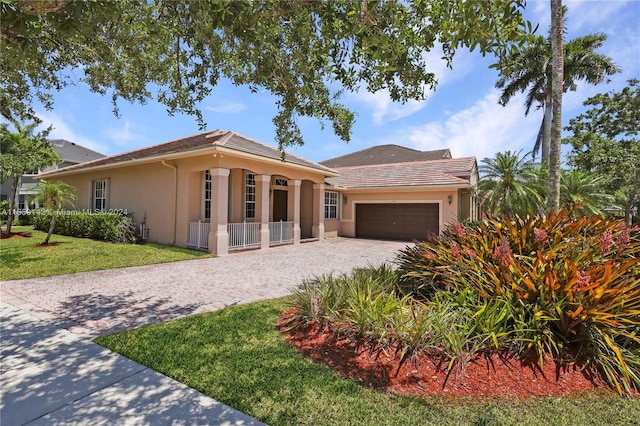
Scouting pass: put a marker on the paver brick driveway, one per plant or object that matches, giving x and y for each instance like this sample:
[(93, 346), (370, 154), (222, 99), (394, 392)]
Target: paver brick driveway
[(102, 302)]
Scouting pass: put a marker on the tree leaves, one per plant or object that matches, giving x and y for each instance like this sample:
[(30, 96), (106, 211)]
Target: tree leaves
[(303, 52), (605, 141)]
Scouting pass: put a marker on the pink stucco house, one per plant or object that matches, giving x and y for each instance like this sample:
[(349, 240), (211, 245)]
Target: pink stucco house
[(222, 191)]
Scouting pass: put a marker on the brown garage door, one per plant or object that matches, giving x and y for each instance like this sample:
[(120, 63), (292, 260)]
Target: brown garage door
[(398, 221)]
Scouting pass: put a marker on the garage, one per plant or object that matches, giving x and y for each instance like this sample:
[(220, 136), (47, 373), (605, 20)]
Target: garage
[(397, 221)]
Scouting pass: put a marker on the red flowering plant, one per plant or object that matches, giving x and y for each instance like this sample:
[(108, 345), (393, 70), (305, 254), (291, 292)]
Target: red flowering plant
[(572, 284)]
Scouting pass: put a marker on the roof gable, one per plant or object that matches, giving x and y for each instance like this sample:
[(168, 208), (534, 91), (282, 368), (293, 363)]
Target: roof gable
[(417, 173), (201, 141), (72, 152), (385, 154)]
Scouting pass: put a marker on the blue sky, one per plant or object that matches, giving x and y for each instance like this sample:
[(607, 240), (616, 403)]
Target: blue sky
[(462, 114)]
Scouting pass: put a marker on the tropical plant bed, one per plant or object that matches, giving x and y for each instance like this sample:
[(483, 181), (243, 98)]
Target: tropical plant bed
[(496, 375), (549, 288)]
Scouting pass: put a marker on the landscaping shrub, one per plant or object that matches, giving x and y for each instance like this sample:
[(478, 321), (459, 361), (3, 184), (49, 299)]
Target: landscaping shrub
[(558, 286), (327, 297), (126, 230), (4, 210), (574, 284), (24, 219), (98, 226)]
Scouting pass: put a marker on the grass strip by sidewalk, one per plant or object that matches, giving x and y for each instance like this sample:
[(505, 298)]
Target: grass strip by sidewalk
[(22, 258), (238, 357)]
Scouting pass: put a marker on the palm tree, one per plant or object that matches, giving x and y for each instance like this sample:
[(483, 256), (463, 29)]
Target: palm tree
[(583, 192), (530, 70), (508, 184), (557, 89), (54, 195)]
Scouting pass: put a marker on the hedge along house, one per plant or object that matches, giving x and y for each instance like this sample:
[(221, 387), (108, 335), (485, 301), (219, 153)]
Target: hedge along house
[(393, 192), (216, 191)]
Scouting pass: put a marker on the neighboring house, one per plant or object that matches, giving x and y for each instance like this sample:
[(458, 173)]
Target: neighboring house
[(393, 192), (69, 152), (221, 191), (385, 154)]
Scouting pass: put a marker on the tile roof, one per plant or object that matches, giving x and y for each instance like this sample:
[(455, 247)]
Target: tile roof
[(385, 154), (216, 138), (72, 152), (418, 173)]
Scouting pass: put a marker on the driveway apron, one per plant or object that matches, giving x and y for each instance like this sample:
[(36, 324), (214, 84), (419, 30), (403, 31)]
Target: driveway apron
[(92, 304), (52, 374)]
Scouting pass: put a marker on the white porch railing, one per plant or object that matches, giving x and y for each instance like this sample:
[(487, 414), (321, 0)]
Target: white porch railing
[(199, 235), (280, 232), (243, 235)]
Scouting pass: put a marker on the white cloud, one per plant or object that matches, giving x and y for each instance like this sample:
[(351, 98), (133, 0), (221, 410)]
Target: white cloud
[(384, 110), (125, 134), (227, 107), (585, 15), (480, 130), (539, 13), (61, 129)]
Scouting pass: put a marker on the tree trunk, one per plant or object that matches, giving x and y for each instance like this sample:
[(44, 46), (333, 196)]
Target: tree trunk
[(557, 81), (51, 226), (627, 212), (546, 135), (12, 202)]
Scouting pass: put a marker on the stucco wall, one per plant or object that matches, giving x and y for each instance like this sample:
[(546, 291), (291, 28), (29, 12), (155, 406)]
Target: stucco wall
[(145, 190), (149, 190)]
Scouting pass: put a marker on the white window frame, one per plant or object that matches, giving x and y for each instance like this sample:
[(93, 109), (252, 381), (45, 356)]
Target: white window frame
[(101, 185), (249, 196), (207, 191), (331, 205)]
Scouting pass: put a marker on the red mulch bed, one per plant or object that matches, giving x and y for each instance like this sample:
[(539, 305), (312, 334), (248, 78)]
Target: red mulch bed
[(498, 375), (48, 245), (4, 236)]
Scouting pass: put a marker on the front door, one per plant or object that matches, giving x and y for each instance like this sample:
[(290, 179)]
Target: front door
[(280, 205)]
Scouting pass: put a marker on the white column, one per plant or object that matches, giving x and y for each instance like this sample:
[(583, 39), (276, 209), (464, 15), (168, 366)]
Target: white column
[(262, 208), (318, 211), (218, 235), (293, 207)]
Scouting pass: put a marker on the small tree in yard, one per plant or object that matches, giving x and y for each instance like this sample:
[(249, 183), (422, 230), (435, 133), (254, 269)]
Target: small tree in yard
[(22, 151), (54, 195), (605, 141)]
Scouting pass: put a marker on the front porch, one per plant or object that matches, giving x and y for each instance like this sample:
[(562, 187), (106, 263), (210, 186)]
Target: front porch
[(239, 208), (243, 235)]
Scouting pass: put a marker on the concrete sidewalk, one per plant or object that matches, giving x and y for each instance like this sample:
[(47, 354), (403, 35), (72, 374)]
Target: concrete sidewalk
[(51, 376)]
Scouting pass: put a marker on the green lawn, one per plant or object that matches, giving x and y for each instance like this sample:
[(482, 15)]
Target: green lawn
[(238, 357), (21, 258)]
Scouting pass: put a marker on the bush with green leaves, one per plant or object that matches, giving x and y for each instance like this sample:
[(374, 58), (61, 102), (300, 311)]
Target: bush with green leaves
[(557, 286), (574, 284), (20, 216), (4, 210), (327, 297), (98, 226)]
